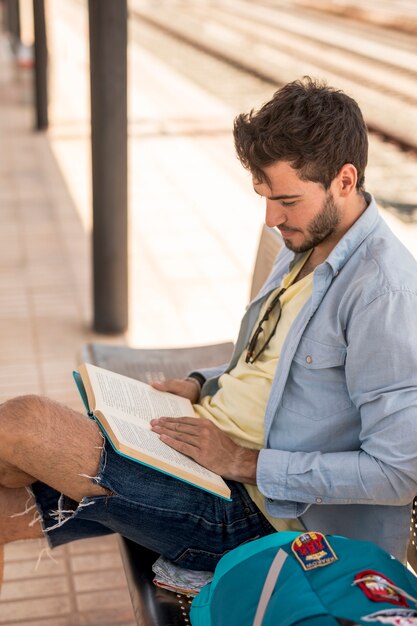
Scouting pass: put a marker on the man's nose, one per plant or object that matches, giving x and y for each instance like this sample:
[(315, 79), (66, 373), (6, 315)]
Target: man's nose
[(274, 214)]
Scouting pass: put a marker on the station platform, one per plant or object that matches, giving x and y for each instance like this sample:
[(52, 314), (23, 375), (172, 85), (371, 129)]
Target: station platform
[(194, 218), (44, 299)]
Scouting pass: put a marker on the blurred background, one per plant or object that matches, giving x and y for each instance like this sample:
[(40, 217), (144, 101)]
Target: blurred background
[(192, 66), (193, 220)]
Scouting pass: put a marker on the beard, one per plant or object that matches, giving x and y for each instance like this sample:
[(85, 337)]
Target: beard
[(321, 227)]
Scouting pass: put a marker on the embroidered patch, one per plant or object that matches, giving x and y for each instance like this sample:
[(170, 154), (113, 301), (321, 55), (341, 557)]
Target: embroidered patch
[(379, 588), (396, 617), (313, 550)]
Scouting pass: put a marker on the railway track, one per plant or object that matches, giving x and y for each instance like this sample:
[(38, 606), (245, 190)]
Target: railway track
[(277, 44), (397, 15)]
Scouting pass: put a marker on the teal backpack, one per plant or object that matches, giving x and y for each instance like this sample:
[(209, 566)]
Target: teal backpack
[(308, 579)]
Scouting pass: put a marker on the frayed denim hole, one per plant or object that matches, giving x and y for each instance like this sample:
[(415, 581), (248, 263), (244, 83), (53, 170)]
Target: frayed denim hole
[(99, 479)]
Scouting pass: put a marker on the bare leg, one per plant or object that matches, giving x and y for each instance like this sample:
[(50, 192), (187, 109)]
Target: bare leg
[(42, 439), (15, 523), (12, 502)]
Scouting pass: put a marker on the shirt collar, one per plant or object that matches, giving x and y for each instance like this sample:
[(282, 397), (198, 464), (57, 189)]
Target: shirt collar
[(353, 238)]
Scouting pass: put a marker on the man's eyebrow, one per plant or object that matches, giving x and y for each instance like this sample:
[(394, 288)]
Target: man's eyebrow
[(281, 197), (284, 197)]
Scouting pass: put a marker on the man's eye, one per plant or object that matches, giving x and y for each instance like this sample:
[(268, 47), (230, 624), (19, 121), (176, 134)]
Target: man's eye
[(288, 203)]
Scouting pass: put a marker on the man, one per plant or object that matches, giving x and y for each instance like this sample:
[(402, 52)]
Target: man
[(313, 423)]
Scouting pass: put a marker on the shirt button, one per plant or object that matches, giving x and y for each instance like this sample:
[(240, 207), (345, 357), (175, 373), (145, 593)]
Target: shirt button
[(319, 500), (309, 359), (270, 499)]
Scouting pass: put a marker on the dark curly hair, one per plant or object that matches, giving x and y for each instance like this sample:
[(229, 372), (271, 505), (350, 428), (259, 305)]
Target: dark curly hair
[(316, 128)]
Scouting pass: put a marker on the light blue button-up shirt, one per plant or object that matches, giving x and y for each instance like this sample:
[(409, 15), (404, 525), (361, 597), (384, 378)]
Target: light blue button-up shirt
[(341, 421)]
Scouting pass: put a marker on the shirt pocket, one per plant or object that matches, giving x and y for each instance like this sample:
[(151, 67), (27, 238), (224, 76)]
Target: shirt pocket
[(316, 386)]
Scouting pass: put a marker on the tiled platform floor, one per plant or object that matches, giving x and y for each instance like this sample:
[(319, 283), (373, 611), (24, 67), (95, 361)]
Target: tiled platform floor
[(84, 584), (43, 319)]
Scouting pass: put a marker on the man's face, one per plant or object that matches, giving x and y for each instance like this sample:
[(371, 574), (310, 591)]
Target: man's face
[(305, 213)]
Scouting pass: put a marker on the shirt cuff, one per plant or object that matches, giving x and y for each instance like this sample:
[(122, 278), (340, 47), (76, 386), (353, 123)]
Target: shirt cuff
[(272, 482), (271, 473)]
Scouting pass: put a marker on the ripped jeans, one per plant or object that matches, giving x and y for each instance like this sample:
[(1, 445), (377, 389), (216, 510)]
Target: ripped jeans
[(186, 525)]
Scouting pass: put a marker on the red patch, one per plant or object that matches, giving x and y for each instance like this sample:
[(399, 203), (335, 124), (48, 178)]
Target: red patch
[(313, 550), (379, 588)]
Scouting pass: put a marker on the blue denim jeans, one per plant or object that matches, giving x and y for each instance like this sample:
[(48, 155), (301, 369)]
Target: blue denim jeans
[(187, 525)]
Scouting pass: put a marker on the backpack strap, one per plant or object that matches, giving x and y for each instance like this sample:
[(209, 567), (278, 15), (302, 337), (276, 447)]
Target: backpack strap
[(269, 586)]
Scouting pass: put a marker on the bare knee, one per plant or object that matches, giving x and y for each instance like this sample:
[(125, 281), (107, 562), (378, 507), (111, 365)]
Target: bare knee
[(15, 415), (29, 404), (27, 416), (17, 410), (53, 443)]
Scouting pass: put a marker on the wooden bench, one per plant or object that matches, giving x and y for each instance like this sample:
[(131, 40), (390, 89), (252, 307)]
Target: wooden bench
[(152, 605)]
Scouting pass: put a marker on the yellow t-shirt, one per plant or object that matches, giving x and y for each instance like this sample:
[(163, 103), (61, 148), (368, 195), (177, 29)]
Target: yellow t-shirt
[(238, 407)]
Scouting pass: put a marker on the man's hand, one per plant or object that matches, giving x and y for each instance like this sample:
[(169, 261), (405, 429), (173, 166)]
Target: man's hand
[(204, 442), (180, 387)]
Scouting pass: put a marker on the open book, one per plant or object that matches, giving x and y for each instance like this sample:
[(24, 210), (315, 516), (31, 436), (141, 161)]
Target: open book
[(124, 407)]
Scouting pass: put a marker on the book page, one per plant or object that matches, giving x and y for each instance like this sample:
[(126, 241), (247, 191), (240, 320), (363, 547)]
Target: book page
[(127, 397)]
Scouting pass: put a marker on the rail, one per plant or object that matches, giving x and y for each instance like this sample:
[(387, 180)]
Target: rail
[(276, 44)]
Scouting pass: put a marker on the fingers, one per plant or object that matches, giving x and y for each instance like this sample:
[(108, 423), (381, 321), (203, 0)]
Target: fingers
[(182, 434), (189, 449), (180, 387), (182, 425), (171, 384), (192, 421), (177, 438)]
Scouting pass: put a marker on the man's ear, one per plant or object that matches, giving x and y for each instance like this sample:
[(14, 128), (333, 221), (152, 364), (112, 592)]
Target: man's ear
[(346, 180)]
